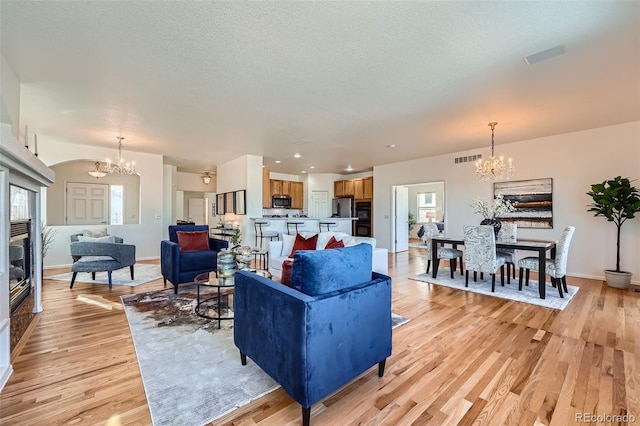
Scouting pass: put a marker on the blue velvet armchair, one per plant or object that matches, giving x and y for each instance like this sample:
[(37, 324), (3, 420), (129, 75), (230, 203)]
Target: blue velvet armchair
[(330, 327), (182, 267)]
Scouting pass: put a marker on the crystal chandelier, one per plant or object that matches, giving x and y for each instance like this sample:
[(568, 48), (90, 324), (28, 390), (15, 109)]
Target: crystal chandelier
[(494, 168), (118, 167)]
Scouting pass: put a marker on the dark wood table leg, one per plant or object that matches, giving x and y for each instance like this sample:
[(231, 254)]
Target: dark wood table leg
[(434, 258), (542, 276)]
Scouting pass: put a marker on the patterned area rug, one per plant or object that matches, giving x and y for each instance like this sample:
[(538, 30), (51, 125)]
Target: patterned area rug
[(191, 370), (142, 272), (509, 291)]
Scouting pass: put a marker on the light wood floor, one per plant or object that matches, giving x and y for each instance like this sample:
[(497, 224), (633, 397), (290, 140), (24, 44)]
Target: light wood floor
[(464, 358)]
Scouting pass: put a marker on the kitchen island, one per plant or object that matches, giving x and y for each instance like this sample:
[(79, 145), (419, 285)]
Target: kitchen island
[(306, 224)]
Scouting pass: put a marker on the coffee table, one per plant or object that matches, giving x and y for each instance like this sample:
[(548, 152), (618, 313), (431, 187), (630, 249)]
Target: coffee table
[(222, 299)]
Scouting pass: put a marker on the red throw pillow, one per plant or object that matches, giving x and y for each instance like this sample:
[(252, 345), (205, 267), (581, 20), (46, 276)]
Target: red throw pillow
[(301, 244), (193, 241), (333, 243), (285, 279)]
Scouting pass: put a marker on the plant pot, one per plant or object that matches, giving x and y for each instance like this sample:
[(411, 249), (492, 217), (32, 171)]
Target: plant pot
[(495, 223), (615, 279)]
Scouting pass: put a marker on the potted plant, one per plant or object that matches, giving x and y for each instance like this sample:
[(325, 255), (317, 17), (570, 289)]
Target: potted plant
[(617, 201), (492, 210)]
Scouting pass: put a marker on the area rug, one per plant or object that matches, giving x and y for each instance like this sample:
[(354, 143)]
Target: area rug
[(143, 273), (509, 291), (191, 370)]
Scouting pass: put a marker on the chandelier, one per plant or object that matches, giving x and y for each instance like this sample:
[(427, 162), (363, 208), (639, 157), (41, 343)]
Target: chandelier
[(494, 168), (119, 167)]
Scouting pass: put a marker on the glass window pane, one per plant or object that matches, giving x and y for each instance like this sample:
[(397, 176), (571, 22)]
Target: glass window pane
[(117, 205)]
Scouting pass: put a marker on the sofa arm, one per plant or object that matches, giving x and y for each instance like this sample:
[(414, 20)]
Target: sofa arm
[(216, 244), (312, 346), (170, 260), (380, 261)]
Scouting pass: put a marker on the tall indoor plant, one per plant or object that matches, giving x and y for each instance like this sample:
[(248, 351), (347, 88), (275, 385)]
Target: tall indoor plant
[(617, 201)]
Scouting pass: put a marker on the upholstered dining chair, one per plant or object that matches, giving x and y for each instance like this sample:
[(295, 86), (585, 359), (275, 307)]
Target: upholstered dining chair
[(430, 231), (508, 232), (480, 253), (555, 268)]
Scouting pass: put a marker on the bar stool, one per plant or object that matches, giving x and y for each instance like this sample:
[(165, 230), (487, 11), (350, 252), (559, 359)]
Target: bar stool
[(260, 233), (327, 224), (295, 224)]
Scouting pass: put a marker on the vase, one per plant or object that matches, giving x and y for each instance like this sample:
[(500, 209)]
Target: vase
[(243, 256), (226, 264), (493, 222)]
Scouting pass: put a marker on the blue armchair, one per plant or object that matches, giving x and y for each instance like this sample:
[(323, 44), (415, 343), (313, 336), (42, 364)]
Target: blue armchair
[(330, 327), (182, 267)]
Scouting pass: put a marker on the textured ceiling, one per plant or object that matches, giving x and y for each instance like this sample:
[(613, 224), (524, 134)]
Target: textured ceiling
[(205, 82)]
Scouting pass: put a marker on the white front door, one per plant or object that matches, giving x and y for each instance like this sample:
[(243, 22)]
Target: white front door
[(319, 204), (197, 210), (87, 204), (401, 215)]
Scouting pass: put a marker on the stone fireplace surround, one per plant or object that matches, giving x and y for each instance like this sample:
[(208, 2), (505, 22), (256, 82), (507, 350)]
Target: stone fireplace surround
[(18, 166)]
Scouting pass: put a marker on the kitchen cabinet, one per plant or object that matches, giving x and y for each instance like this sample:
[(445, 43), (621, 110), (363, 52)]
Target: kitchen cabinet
[(348, 188), (276, 187), (367, 184), (338, 188), (286, 188), (297, 196), (358, 192), (266, 189)]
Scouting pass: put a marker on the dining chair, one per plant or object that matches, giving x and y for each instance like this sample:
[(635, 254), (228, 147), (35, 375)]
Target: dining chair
[(508, 232), (430, 231), (262, 234), (480, 253), (555, 268)]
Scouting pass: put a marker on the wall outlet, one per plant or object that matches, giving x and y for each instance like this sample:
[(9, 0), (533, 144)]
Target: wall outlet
[(157, 216)]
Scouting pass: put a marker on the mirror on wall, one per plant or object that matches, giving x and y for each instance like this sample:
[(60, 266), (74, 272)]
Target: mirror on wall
[(79, 199)]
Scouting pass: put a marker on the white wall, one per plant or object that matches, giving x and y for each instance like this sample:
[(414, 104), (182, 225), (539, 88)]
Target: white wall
[(146, 235), (10, 95), (193, 182), (169, 198), (573, 160)]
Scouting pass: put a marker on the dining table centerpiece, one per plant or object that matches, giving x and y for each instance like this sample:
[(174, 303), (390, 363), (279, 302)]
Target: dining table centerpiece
[(492, 210)]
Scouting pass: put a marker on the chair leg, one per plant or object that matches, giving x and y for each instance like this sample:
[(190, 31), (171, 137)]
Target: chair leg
[(509, 273), (164, 279), (306, 416), (243, 358), (381, 365), (109, 274), (466, 278), (514, 270), (527, 277), (502, 275), (475, 276), (558, 284), (493, 282), (93, 276), (452, 266), (428, 265), (520, 279), (482, 275), (175, 289), (461, 267), (564, 284), (131, 268), (73, 279)]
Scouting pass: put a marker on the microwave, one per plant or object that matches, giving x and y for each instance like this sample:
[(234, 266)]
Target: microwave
[(280, 202)]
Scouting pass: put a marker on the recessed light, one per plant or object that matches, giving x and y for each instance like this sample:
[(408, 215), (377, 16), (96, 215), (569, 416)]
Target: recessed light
[(312, 167), (393, 145), (303, 171), (277, 161), (297, 155)]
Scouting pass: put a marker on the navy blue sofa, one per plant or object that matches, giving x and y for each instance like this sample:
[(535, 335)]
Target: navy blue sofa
[(182, 267), (330, 327)]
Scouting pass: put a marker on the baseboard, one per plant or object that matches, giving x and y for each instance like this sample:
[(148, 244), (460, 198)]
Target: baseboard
[(4, 375)]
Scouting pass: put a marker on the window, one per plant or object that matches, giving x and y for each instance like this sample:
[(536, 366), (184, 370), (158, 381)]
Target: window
[(426, 207)]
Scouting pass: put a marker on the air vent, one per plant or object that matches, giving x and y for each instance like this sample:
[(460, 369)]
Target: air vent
[(467, 158)]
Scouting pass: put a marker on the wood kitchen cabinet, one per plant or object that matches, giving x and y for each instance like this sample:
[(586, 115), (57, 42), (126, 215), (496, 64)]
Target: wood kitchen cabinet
[(367, 188), (359, 189), (276, 187), (358, 192), (349, 188), (266, 189), (338, 188), (286, 188), (297, 196)]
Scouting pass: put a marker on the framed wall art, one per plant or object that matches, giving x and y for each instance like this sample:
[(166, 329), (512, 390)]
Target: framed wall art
[(533, 200)]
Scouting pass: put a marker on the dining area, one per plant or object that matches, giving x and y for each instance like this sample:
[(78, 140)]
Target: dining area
[(481, 250)]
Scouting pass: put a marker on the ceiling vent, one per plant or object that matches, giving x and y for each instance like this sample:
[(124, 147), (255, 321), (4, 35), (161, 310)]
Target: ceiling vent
[(467, 158), (544, 55)]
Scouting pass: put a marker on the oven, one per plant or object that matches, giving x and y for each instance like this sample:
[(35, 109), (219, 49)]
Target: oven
[(362, 226)]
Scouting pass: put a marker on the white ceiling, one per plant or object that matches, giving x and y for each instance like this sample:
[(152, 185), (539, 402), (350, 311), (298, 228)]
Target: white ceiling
[(205, 82)]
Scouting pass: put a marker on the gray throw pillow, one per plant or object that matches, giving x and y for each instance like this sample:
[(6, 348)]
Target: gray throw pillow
[(107, 239)]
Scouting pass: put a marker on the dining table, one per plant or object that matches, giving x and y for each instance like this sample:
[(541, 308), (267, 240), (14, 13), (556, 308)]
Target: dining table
[(539, 246)]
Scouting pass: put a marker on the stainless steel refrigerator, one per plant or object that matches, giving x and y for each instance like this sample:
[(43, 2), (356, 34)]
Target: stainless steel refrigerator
[(342, 207)]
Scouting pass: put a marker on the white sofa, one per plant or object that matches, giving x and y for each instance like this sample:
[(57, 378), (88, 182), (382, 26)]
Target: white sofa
[(280, 250)]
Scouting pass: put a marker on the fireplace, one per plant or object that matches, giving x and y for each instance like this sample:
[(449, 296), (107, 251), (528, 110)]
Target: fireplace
[(20, 266)]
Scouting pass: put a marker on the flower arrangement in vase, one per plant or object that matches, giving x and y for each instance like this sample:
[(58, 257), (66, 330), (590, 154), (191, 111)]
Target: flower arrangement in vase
[(492, 210)]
